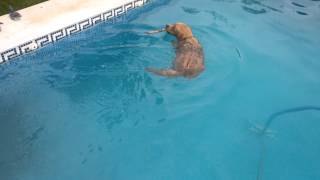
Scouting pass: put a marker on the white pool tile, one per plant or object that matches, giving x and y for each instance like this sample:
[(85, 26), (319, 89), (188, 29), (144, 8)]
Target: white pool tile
[(50, 21)]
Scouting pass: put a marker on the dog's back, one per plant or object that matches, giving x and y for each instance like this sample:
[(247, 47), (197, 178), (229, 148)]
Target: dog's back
[(189, 58)]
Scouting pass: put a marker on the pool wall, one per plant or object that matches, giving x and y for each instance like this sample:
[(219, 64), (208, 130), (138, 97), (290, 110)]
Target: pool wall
[(15, 42)]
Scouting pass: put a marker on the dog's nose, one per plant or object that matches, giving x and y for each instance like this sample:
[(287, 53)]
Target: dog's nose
[(167, 25)]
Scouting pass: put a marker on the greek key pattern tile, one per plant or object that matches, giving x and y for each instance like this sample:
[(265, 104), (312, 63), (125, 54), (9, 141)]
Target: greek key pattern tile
[(55, 36), (72, 29)]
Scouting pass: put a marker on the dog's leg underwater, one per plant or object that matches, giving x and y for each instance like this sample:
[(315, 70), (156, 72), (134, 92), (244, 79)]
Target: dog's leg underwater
[(164, 72), (174, 44)]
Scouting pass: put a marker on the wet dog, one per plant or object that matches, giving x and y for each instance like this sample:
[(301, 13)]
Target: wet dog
[(189, 61)]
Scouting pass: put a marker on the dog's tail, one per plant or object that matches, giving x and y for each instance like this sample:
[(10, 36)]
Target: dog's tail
[(164, 72)]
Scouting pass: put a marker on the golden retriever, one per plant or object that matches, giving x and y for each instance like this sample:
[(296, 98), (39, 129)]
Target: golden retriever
[(189, 61)]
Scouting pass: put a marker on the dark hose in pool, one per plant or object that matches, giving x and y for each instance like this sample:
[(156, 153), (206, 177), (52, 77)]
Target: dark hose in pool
[(268, 124)]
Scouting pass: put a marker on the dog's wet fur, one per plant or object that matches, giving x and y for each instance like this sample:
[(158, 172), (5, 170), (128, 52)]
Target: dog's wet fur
[(189, 61)]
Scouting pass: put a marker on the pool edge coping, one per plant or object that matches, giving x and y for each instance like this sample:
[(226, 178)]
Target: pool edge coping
[(74, 28)]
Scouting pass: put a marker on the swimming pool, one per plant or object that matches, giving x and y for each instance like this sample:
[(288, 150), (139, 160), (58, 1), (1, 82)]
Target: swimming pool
[(84, 108)]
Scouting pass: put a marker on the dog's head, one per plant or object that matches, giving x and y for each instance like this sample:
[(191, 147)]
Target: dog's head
[(180, 30)]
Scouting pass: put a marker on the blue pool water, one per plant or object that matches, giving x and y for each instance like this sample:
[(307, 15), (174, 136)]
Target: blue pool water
[(86, 109)]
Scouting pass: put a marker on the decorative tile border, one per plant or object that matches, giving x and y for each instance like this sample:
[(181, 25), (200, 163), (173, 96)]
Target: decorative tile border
[(55, 36)]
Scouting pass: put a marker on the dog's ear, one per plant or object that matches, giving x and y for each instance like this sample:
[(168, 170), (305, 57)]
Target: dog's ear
[(183, 31)]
